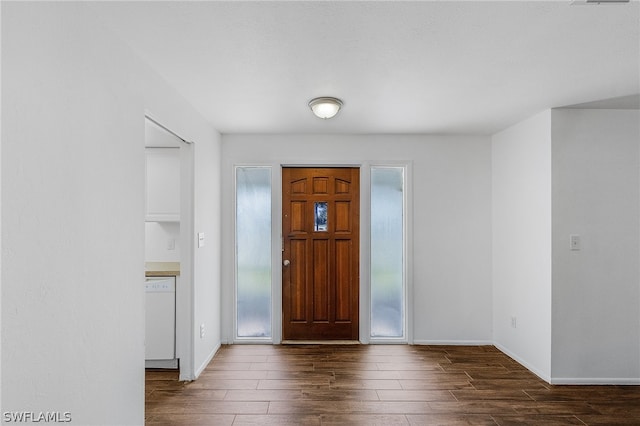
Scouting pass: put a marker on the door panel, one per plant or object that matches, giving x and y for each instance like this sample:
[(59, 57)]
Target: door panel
[(297, 289), (320, 300), (320, 288), (343, 280)]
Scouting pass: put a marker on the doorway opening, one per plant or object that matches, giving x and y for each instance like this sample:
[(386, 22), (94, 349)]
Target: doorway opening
[(168, 250), (304, 270)]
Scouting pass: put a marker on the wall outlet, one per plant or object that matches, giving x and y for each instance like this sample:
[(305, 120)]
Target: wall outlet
[(514, 322), (171, 244), (202, 331)]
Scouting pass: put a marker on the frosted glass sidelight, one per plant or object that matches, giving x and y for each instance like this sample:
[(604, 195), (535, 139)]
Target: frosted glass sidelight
[(387, 251), (253, 251)]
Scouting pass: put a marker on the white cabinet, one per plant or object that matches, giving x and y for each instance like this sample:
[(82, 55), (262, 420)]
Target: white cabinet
[(160, 322), (163, 184)]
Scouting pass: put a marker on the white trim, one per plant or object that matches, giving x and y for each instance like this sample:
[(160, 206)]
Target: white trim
[(388, 341), (276, 254), (157, 123), (364, 304), (206, 362), (171, 364), (595, 381), (624, 381), (187, 261), (453, 342), (252, 341), (408, 214), (524, 363)]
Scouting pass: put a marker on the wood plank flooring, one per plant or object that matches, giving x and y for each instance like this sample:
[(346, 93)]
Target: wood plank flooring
[(378, 385)]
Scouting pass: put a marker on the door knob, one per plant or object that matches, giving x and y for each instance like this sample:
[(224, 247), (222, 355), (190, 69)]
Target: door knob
[(286, 262)]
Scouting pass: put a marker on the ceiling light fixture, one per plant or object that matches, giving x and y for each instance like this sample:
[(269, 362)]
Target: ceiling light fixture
[(325, 107)]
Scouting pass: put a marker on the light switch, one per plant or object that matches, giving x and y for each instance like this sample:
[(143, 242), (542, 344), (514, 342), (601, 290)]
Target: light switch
[(574, 242), (200, 239), (171, 244)]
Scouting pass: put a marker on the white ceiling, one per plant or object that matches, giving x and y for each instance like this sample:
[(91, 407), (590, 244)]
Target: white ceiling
[(399, 67)]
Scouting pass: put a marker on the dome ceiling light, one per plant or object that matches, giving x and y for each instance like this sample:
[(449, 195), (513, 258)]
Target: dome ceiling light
[(325, 107)]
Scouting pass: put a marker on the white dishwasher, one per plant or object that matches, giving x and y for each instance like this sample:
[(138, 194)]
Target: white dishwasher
[(160, 322)]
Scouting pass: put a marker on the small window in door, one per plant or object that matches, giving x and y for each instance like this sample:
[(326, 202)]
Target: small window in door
[(320, 213)]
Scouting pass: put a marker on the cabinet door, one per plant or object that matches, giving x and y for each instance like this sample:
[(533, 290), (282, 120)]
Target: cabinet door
[(163, 184)]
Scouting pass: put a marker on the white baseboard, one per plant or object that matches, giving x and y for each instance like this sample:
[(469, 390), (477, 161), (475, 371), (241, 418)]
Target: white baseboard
[(571, 380), (595, 381), (524, 363), (206, 362), (171, 364), (320, 342), (453, 342)]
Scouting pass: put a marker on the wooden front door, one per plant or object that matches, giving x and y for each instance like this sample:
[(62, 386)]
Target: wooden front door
[(320, 278)]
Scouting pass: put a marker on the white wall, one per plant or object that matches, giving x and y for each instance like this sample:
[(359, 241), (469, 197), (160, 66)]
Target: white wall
[(1, 138), (451, 219), (522, 242), (596, 295), (157, 238), (564, 172), (73, 214), (207, 302), (73, 103)]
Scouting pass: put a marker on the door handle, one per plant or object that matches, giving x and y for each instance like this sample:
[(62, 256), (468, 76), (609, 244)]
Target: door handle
[(286, 262)]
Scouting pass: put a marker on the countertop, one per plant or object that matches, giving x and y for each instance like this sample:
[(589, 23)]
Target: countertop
[(161, 269)]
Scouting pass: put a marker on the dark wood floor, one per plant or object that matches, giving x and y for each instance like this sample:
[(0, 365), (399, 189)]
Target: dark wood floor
[(378, 385)]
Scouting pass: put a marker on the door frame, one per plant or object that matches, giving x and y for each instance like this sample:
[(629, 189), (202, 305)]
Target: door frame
[(277, 235), (365, 248), (333, 328)]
